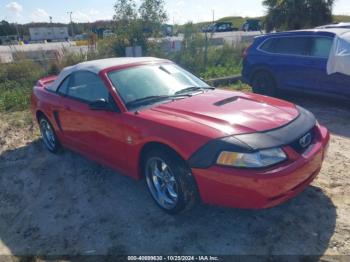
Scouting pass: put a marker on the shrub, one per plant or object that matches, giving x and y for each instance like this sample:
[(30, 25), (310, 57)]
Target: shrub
[(68, 59), (22, 71), (203, 58), (16, 82), (14, 96)]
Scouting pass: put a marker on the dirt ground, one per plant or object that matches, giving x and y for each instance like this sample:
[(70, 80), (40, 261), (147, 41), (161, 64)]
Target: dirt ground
[(66, 205)]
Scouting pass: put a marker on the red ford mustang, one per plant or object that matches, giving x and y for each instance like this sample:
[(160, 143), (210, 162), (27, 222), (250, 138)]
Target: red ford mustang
[(147, 117)]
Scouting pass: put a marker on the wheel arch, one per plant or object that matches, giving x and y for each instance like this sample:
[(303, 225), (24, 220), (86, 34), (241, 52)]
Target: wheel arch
[(40, 114), (147, 147), (263, 68)]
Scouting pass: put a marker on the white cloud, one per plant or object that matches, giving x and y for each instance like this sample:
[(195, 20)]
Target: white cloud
[(39, 15), (91, 15), (81, 17), (94, 12), (14, 7)]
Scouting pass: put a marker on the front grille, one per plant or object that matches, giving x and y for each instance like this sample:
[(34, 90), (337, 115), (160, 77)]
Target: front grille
[(301, 144)]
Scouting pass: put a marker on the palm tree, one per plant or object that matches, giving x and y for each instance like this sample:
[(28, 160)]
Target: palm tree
[(297, 14)]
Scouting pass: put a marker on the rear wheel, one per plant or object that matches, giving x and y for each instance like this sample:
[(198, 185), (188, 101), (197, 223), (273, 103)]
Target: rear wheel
[(263, 83), (169, 181), (48, 135)]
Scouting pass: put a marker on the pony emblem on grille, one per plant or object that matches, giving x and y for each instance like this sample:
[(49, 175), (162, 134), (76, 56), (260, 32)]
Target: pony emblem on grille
[(305, 141)]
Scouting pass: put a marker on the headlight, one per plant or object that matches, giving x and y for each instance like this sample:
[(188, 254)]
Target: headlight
[(263, 158)]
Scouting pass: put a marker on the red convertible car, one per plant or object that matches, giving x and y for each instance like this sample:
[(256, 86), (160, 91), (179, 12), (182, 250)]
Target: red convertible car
[(149, 118)]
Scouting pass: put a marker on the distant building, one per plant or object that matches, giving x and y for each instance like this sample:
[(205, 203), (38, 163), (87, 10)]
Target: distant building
[(48, 33)]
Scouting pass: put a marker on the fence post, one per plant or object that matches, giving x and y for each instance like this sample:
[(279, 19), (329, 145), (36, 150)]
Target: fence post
[(206, 50)]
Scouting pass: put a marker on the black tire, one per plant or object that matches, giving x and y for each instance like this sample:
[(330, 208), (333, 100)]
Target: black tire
[(185, 188), (51, 141), (263, 83)]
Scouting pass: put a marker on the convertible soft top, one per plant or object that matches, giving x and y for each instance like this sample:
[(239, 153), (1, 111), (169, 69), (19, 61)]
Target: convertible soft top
[(97, 66)]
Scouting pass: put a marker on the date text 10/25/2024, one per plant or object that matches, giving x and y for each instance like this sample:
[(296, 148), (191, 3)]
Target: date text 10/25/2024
[(172, 258)]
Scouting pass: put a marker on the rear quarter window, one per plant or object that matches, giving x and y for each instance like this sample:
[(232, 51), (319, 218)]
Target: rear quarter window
[(321, 47), (268, 45), (63, 88)]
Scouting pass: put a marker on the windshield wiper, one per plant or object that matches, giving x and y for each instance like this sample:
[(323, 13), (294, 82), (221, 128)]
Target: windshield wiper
[(193, 89), (154, 99)]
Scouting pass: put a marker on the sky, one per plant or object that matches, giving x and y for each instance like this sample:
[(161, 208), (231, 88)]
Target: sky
[(179, 11)]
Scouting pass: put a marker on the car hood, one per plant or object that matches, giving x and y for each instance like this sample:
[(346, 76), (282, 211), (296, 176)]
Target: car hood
[(232, 112)]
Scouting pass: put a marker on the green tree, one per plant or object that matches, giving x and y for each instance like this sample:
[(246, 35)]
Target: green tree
[(153, 15), (125, 17), (7, 29), (125, 12), (297, 14), (128, 26)]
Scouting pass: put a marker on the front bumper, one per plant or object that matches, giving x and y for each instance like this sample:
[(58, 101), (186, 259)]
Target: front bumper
[(258, 189)]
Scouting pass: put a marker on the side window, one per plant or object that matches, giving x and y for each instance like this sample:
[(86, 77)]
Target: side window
[(63, 88), (268, 45), (293, 45), (321, 47), (87, 87)]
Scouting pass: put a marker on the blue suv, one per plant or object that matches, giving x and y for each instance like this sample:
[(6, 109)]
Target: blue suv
[(295, 60)]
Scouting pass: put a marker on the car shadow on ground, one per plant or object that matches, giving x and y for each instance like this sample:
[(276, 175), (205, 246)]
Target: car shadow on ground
[(330, 112), (67, 205)]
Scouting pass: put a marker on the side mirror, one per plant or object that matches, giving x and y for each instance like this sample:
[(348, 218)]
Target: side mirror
[(101, 105)]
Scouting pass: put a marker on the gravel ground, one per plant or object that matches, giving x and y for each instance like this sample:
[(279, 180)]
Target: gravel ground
[(65, 205)]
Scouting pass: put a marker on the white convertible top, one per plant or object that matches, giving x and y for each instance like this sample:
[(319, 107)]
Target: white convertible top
[(339, 57), (96, 66)]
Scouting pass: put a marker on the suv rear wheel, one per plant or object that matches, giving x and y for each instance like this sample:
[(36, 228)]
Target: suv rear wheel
[(263, 83)]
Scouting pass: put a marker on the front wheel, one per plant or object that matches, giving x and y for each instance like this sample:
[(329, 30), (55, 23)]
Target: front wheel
[(263, 83), (169, 181)]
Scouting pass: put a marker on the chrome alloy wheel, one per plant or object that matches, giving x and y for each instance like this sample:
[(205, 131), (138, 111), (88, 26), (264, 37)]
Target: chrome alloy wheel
[(47, 134), (161, 183)]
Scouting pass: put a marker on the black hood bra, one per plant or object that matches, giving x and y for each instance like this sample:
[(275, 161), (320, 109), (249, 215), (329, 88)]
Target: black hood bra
[(248, 143)]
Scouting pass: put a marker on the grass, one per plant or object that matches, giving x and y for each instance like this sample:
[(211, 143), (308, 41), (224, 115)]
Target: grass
[(239, 86), (341, 18), (16, 82), (18, 119), (221, 71), (14, 99)]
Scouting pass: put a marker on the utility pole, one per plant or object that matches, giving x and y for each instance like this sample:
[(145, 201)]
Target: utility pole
[(18, 38), (213, 16), (71, 21), (52, 31)]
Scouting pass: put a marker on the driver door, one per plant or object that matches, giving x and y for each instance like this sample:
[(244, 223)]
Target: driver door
[(95, 133)]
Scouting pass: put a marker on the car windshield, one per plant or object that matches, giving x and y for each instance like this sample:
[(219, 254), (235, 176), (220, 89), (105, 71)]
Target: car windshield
[(153, 83)]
